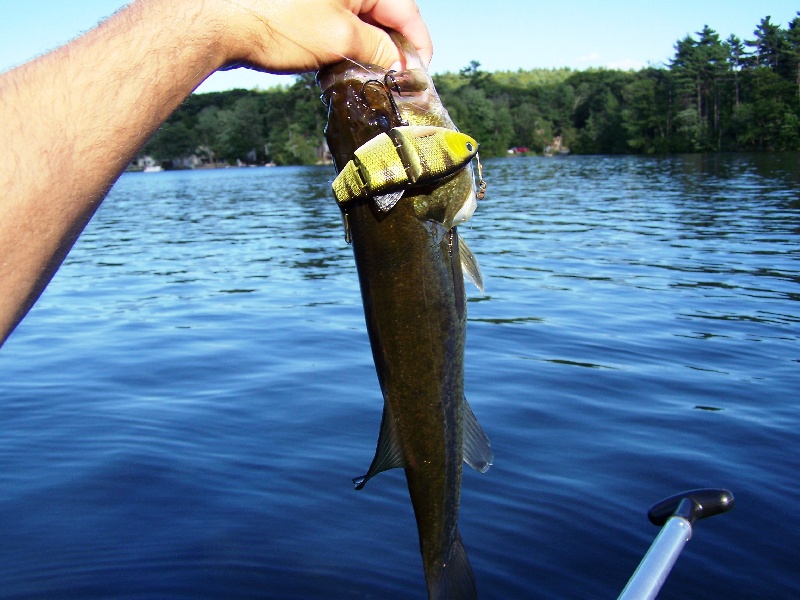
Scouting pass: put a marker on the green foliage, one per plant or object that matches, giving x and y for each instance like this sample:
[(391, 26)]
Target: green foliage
[(283, 125), (713, 96)]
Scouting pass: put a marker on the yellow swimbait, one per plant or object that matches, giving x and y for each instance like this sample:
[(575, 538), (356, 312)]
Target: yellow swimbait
[(388, 164)]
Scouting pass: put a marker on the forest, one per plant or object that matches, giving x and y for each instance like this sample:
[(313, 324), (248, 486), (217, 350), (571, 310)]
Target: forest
[(714, 95)]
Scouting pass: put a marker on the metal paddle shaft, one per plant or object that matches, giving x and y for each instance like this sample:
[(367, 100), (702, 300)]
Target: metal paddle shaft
[(677, 514)]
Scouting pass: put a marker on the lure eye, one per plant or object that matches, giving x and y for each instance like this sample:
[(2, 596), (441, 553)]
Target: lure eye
[(469, 146)]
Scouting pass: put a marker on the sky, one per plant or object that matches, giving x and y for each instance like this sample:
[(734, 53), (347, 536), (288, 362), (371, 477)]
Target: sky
[(500, 34)]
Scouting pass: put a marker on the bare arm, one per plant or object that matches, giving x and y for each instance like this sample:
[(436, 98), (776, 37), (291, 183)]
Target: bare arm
[(73, 119)]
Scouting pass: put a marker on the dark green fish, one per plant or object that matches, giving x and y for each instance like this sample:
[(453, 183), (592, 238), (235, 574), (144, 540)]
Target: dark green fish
[(409, 259)]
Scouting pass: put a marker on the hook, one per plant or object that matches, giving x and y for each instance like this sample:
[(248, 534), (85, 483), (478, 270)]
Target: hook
[(387, 84)]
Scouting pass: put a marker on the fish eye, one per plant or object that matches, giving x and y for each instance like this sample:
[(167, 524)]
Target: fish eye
[(469, 146)]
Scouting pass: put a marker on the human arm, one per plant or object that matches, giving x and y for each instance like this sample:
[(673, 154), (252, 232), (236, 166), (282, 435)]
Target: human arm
[(73, 119)]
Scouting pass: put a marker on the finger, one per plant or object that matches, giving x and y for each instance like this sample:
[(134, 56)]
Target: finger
[(404, 17), (365, 43)]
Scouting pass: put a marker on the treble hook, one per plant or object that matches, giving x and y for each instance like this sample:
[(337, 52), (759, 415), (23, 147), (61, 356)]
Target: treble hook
[(390, 77), (387, 84), (481, 193)]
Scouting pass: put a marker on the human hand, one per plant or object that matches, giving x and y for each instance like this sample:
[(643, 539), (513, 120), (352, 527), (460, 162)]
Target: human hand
[(282, 36)]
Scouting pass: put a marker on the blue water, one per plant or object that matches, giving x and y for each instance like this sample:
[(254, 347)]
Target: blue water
[(182, 411)]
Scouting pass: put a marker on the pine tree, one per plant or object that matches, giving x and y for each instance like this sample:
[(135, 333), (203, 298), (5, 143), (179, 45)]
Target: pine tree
[(736, 55), (767, 44), (792, 52)]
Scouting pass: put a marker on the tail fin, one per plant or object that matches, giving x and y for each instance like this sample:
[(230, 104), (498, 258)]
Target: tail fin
[(457, 582)]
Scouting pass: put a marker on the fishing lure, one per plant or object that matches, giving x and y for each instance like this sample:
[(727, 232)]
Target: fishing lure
[(391, 162)]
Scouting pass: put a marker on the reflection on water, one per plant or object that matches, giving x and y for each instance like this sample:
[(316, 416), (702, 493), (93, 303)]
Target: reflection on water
[(182, 412)]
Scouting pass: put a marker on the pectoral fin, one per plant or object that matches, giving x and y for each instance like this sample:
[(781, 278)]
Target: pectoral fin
[(388, 455), (477, 450), (386, 202), (469, 264)]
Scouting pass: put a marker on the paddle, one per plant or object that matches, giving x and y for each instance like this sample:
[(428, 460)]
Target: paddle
[(676, 515)]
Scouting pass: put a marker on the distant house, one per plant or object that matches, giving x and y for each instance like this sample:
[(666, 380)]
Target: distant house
[(145, 163), (557, 147)]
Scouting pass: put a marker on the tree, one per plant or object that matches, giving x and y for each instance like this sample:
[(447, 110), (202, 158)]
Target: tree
[(703, 65), (736, 55), (792, 52), (713, 55), (712, 96), (646, 115), (767, 44), (596, 111), (171, 141), (485, 120), (685, 69), (766, 110), (474, 76), (530, 129)]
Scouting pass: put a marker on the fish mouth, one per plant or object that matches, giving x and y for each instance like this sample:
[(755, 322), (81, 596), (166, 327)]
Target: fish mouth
[(408, 93), (411, 78), (408, 81)]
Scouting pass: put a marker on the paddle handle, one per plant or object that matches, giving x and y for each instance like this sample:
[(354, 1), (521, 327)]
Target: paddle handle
[(677, 514)]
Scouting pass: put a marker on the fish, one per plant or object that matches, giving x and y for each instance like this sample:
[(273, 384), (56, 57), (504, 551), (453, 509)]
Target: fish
[(411, 265)]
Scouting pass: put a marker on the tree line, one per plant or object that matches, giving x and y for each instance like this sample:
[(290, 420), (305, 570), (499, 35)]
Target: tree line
[(714, 95)]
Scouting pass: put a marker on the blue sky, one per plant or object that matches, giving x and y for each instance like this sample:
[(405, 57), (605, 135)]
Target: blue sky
[(500, 34)]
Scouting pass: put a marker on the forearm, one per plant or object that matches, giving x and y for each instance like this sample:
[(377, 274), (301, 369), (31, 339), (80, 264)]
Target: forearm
[(72, 120), (78, 116)]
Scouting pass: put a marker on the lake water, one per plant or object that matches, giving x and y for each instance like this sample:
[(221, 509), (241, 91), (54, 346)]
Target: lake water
[(183, 410)]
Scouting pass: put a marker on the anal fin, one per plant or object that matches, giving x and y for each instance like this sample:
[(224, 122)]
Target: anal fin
[(388, 454)]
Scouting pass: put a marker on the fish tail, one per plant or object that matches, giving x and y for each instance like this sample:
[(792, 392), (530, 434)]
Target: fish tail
[(457, 581)]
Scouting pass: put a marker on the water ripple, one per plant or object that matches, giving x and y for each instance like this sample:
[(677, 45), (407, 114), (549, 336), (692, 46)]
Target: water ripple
[(183, 410)]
